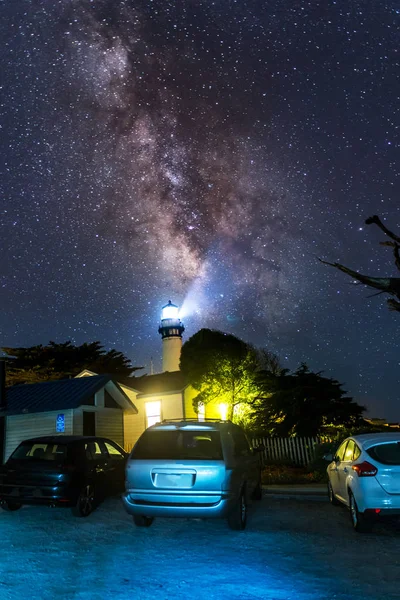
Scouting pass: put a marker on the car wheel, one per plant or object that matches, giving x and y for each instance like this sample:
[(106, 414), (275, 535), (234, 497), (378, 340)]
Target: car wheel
[(359, 522), (10, 506), (257, 492), (238, 516), (142, 521), (85, 503), (332, 498)]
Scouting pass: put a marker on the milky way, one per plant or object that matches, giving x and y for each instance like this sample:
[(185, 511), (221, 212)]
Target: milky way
[(208, 153)]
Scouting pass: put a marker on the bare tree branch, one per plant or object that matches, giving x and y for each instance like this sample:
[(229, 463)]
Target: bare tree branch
[(376, 220), (386, 285)]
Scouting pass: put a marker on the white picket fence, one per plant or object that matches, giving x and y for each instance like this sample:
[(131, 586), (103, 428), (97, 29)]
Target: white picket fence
[(298, 450)]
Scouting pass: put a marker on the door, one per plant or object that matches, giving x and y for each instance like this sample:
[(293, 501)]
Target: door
[(89, 423), (96, 461), (247, 465), (344, 469), (333, 469), (116, 462)]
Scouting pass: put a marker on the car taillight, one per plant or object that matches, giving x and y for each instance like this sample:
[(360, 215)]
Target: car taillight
[(365, 469)]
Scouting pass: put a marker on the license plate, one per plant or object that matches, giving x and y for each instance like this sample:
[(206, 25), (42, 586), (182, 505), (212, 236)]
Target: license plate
[(172, 480)]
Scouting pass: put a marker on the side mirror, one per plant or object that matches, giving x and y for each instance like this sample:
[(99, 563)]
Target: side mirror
[(329, 457)]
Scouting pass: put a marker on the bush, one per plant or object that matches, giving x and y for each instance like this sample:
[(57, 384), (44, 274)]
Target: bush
[(285, 474)]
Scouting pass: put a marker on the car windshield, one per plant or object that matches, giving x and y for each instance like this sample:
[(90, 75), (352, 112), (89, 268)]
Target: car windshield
[(37, 450), (387, 454), (178, 445)]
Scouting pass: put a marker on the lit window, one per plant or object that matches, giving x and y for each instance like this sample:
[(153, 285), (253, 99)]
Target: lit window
[(201, 411), (153, 413)]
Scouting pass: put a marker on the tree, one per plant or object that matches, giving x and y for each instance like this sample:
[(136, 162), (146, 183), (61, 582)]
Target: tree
[(387, 285), (301, 403), (60, 361), (221, 367)]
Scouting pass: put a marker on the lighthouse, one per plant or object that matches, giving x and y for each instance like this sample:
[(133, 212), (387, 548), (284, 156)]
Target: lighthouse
[(171, 329)]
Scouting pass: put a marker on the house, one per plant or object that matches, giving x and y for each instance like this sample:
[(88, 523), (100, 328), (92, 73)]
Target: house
[(94, 405), (161, 396)]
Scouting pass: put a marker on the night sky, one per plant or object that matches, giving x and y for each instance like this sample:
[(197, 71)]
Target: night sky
[(206, 152)]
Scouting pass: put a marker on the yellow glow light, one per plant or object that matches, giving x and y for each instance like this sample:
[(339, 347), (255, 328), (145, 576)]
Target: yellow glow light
[(223, 411)]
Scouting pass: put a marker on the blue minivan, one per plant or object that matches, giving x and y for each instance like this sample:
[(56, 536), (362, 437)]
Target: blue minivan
[(191, 468)]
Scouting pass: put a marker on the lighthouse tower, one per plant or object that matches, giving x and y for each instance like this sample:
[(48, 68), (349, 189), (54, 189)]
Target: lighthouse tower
[(171, 329)]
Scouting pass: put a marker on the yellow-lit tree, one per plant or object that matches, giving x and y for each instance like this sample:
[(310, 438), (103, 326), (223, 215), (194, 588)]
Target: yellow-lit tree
[(221, 367)]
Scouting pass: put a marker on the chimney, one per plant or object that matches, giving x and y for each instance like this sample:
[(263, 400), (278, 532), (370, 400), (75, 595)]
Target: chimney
[(3, 398)]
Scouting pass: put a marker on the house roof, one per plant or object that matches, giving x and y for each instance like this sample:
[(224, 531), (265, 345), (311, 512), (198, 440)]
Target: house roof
[(161, 383), (62, 394)]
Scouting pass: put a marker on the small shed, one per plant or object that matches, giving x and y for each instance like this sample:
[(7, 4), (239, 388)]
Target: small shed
[(94, 405)]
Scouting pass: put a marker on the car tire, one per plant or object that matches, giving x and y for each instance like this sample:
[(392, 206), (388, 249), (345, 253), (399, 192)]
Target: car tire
[(332, 498), (142, 520), (358, 520), (257, 492), (237, 518), (85, 503), (10, 506)]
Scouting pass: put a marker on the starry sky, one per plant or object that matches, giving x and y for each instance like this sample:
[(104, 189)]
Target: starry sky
[(206, 152)]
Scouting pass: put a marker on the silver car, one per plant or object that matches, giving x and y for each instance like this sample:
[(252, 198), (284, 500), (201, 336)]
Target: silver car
[(192, 469)]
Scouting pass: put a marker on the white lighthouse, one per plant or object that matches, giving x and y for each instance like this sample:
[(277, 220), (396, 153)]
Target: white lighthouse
[(171, 329)]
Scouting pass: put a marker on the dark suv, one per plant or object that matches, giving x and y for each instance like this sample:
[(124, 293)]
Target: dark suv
[(192, 469), (73, 471)]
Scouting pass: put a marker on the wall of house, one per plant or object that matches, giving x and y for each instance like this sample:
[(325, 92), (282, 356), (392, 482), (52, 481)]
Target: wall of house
[(110, 424), (23, 427), (212, 409), (190, 393), (134, 425)]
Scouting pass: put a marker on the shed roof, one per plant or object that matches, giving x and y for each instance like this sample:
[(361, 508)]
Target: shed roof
[(62, 394)]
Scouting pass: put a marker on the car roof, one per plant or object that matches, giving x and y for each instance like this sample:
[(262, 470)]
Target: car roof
[(191, 424), (64, 439), (371, 439)]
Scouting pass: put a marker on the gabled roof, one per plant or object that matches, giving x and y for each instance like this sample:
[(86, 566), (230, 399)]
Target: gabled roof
[(161, 383), (62, 394)]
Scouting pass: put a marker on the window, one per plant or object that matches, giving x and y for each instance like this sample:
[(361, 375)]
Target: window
[(93, 450), (114, 452), (178, 445), (348, 455), (240, 443), (38, 451), (357, 452), (340, 452), (387, 454), (153, 413)]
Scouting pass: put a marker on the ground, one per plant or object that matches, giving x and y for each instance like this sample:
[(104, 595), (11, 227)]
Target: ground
[(297, 549)]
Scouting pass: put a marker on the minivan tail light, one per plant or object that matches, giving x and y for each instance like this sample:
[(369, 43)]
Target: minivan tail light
[(365, 469)]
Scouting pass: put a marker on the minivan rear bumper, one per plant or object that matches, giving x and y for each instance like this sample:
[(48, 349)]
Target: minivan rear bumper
[(205, 506)]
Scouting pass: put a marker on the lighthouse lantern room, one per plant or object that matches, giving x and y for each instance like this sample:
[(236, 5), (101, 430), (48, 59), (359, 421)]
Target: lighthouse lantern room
[(171, 329)]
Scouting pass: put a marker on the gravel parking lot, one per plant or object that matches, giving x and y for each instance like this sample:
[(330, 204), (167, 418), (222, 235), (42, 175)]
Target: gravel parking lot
[(292, 549)]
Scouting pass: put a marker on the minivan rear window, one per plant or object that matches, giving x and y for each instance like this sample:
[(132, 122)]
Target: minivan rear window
[(178, 445), (40, 451), (387, 454)]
